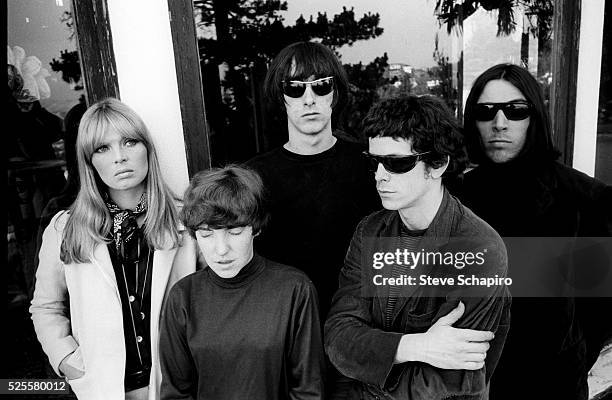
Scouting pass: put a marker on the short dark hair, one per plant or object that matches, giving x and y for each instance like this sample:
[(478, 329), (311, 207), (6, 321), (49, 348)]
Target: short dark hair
[(225, 197), (311, 59), (539, 143), (427, 123)]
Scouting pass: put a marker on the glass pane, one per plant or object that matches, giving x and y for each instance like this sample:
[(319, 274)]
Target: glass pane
[(499, 32), (46, 100), (603, 160), (387, 49)]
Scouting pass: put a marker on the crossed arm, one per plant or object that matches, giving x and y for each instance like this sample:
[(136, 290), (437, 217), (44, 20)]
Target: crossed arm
[(444, 360)]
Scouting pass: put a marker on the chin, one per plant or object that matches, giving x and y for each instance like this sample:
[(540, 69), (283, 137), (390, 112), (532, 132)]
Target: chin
[(390, 205)]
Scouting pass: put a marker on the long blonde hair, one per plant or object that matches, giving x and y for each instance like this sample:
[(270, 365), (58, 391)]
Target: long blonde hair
[(89, 222)]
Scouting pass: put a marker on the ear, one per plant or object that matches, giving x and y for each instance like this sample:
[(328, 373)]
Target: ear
[(436, 173)]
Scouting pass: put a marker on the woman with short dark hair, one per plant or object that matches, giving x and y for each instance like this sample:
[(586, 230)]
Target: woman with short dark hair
[(245, 327)]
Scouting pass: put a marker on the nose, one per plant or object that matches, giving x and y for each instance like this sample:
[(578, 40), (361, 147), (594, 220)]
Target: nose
[(500, 122), (119, 154), (221, 245), (381, 173), (308, 96)]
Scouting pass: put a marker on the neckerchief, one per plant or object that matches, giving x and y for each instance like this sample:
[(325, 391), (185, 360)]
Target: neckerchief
[(125, 228)]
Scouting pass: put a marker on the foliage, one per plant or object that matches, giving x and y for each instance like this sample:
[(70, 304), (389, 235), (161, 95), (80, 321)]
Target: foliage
[(241, 31), (454, 12), (70, 68), (68, 63), (241, 36)]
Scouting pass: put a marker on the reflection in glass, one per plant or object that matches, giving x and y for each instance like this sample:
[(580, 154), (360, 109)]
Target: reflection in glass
[(45, 95), (387, 48)]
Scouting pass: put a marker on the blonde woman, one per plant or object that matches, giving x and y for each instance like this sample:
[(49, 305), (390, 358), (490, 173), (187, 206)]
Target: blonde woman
[(105, 264)]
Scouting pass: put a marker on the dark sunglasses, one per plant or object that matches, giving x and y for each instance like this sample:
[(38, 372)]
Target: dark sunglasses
[(393, 164), (320, 87), (514, 111)]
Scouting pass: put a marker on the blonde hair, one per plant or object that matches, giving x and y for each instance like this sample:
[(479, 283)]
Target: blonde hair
[(89, 222)]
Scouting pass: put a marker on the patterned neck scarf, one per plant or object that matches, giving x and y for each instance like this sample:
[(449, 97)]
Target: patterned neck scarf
[(125, 228)]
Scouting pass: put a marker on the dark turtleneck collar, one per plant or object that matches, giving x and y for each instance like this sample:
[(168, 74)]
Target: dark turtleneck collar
[(515, 166), (246, 275), (307, 158)]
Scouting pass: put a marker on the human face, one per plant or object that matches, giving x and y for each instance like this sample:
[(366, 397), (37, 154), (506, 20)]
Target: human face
[(226, 250), (121, 163), (309, 114), (400, 191), (502, 139)]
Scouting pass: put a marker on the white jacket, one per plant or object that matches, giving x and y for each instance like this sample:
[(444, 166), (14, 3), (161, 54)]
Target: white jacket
[(92, 326)]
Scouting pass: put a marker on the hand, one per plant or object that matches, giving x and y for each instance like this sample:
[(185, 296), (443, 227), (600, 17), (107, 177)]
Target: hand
[(68, 370), (445, 347), (453, 348)]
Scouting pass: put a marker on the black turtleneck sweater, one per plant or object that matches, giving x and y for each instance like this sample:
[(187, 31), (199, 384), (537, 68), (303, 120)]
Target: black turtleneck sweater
[(315, 204), (254, 336), (553, 341)]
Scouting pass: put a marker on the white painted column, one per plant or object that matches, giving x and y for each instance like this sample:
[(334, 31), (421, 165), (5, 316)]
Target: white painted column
[(144, 56), (587, 91)]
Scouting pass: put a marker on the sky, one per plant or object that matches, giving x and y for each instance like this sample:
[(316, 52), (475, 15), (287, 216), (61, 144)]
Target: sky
[(409, 29)]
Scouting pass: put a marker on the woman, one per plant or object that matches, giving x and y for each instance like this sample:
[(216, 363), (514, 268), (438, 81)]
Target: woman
[(105, 263), (245, 327), (521, 190)]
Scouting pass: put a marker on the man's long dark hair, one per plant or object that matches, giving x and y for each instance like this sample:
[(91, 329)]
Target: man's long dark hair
[(300, 61), (539, 143)]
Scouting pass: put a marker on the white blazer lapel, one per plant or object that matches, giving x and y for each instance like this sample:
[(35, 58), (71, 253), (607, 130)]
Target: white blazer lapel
[(162, 265), (103, 261)]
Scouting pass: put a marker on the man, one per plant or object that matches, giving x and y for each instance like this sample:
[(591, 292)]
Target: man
[(523, 192), (317, 183), (395, 340)]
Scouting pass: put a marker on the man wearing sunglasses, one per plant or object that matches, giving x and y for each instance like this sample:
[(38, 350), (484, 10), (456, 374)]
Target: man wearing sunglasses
[(318, 185), (395, 339), (523, 192)]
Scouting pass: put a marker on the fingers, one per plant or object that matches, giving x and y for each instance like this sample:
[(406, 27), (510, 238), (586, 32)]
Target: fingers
[(475, 357), (475, 347), (471, 335), (471, 365), (452, 316)]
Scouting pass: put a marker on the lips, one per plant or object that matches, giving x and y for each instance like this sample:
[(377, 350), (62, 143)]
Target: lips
[(382, 191), (499, 141), (123, 171), (312, 114), (224, 262)]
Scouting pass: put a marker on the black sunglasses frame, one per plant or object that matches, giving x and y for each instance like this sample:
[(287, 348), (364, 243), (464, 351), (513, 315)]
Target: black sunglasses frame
[(393, 164), (485, 112), (296, 89)]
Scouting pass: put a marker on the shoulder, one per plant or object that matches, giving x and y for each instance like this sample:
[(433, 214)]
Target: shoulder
[(185, 287), (469, 225), (58, 222), (350, 150), (579, 184), (286, 275), (351, 146), (264, 160), (376, 219)]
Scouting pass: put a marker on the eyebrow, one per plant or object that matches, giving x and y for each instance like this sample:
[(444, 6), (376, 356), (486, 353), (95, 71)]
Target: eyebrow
[(392, 155), (501, 102)]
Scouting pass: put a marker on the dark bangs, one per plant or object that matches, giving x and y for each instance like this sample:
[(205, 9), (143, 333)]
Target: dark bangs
[(427, 123), (300, 61), (224, 198)]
